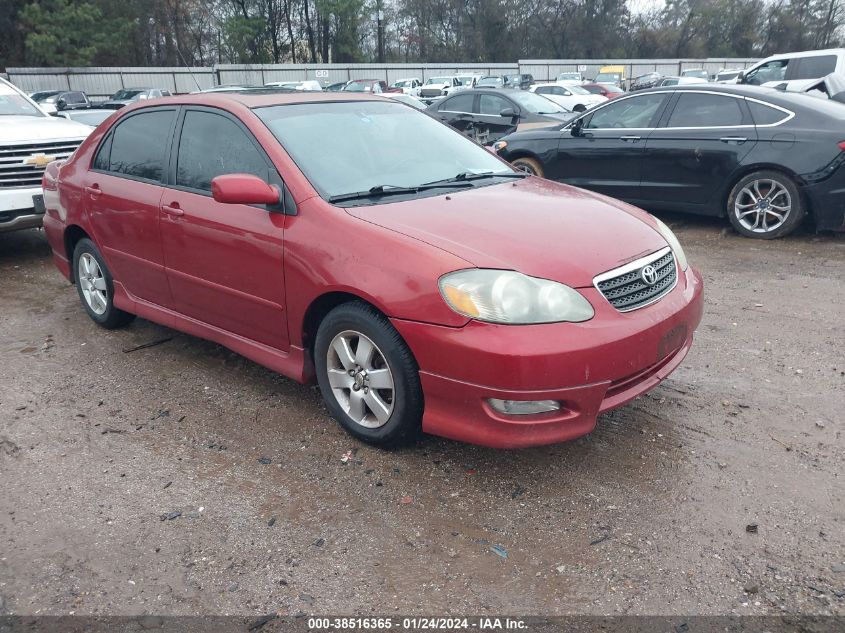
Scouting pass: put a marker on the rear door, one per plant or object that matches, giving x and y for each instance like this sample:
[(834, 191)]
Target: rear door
[(122, 195), (606, 155), (700, 144), (224, 261)]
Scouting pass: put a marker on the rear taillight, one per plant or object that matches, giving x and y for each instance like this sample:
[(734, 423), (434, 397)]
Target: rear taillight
[(841, 145)]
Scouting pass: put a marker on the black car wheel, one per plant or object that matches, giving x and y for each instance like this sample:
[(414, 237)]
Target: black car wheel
[(368, 376), (765, 205), (580, 107), (95, 286), (529, 165)]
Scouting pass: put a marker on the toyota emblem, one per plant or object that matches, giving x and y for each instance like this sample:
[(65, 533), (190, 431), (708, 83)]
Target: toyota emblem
[(648, 274)]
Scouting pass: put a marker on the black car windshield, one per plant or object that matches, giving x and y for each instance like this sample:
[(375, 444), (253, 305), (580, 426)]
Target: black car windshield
[(13, 104), (536, 103), (123, 95), (348, 147)]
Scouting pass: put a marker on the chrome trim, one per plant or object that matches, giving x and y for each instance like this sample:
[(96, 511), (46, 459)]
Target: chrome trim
[(631, 267)]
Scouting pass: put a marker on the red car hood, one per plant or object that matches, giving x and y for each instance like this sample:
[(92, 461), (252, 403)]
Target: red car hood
[(537, 227)]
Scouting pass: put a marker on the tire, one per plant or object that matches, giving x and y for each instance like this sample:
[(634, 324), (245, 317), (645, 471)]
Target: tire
[(765, 205), (529, 165), (96, 286), (379, 416), (579, 108)]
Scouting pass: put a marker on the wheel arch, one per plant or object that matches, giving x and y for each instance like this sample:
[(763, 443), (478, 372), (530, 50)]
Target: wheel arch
[(72, 235), (320, 307)]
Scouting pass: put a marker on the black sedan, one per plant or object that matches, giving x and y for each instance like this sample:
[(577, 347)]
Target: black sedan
[(488, 114), (763, 157)]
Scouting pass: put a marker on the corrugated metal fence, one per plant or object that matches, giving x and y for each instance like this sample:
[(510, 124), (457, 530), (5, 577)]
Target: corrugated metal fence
[(101, 82)]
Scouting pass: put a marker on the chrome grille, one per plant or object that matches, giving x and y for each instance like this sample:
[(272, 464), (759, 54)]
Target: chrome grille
[(14, 170), (625, 287)]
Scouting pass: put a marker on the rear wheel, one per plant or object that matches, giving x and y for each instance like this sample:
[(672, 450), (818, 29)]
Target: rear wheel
[(579, 108), (95, 286), (765, 205), (529, 165)]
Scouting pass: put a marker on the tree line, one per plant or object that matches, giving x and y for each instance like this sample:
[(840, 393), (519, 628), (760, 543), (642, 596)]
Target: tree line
[(205, 32)]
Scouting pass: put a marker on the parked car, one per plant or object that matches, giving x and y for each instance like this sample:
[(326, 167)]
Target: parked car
[(486, 114), (410, 86), (794, 70), (56, 100), (763, 157), (29, 139), (126, 96), (308, 84), (697, 73), (373, 86), (336, 87), (91, 117), (648, 80), (605, 90), (493, 81), (680, 81), (497, 314), (612, 75), (468, 81), (521, 81), (227, 88), (407, 99), (727, 76), (438, 87), (570, 97), (570, 77)]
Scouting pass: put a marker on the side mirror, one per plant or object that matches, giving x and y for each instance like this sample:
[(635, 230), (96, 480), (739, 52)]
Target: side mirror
[(508, 113), (243, 189), (61, 104), (740, 78), (576, 129)]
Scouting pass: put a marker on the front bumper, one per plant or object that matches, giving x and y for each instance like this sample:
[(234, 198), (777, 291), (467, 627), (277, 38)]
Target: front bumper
[(17, 210), (589, 367)]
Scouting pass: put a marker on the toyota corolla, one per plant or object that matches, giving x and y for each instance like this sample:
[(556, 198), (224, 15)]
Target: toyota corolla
[(437, 290)]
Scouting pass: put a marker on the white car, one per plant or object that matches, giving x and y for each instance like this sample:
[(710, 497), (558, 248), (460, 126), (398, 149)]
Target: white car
[(29, 139), (573, 98), (407, 100), (468, 81), (795, 71), (679, 81), (410, 86), (570, 77), (438, 87), (309, 84), (727, 75)]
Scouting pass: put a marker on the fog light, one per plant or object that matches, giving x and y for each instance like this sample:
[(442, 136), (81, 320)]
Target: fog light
[(523, 407)]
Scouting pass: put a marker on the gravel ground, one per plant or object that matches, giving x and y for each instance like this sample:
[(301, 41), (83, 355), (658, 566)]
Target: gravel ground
[(183, 479)]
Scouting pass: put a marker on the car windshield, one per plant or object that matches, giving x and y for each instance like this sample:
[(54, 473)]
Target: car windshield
[(489, 81), (577, 90), (358, 86), (536, 103), (608, 77), (695, 73), (13, 104), (569, 76), (348, 147), (123, 95), (437, 80)]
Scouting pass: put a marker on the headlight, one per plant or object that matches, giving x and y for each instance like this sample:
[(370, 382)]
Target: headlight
[(667, 234), (505, 296)]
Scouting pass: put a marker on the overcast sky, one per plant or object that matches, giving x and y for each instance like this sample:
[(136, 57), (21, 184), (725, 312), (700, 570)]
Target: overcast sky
[(639, 6)]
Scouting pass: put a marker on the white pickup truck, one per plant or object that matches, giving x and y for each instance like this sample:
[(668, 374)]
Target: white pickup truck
[(29, 139)]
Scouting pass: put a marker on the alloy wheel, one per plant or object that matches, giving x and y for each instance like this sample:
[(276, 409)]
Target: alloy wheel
[(762, 205), (93, 284), (360, 379)]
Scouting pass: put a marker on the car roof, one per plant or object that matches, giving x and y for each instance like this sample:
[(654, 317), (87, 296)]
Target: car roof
[(258, 100)]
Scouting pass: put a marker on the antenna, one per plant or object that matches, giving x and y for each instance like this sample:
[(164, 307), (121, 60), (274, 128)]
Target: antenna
[(190, 72)]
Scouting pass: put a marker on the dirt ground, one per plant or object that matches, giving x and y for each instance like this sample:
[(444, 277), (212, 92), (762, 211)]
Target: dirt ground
[(653, 513)]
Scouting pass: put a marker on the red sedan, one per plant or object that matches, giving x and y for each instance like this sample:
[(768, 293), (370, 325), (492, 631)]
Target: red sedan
[(605, 90), (429, 290)]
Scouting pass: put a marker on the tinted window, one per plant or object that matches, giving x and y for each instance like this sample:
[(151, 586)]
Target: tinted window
[(461, 103), (101, 161), (705, 110), (212, 145), (814, 67), (492, 105), (139, 143), (635, 112), (764, 115)]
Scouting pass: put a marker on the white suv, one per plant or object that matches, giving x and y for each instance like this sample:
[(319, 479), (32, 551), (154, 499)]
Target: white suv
[(795, 70), (29, 139)]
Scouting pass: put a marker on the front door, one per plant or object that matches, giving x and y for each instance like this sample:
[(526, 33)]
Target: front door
[(224, 261), (605, 154)]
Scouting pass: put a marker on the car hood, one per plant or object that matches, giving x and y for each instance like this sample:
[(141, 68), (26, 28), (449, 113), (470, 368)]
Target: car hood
[(23, 129), (535, 226)]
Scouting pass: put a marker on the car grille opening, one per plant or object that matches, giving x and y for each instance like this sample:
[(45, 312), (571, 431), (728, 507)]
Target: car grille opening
[(627, 288), (14, 168)]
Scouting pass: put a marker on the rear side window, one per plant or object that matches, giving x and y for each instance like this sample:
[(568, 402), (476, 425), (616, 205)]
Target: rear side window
[(138, 145), (212, 145), (696, 109), (813, 67), (765, 115)]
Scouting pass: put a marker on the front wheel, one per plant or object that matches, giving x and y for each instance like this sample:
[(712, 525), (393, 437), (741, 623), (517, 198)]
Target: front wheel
[(95, 286), (765, 205), (368, 376), (529, 166)]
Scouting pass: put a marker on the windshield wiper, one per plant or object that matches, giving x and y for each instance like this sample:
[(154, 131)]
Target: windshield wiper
[(466, 176), (390, 190)]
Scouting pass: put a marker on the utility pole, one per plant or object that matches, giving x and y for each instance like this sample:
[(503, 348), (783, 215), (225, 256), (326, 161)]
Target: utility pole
[(380, 31)]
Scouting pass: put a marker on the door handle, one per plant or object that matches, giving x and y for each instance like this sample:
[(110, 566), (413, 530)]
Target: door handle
[(93, 190), (733, 139), (172, 209), (630, 139)]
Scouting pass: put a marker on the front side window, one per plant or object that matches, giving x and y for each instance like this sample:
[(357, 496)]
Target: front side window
[(696, 109), (461, 103), (634, 112), (492, 105), (771, 71), (212, 145), (138, 145), (350, 147)]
